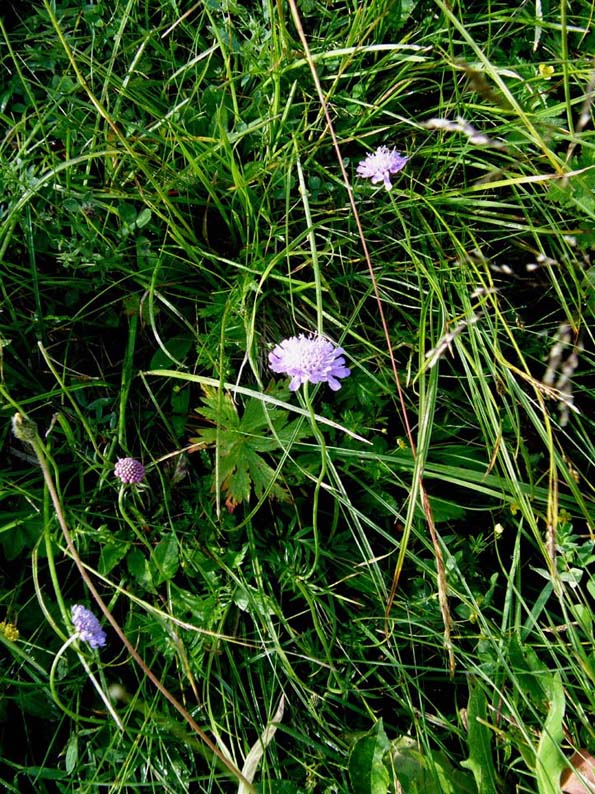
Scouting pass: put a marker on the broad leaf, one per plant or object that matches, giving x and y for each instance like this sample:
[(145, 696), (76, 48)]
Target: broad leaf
[(549, 761), (241, 439), (428, 772), (367, 768), (164, 560), (480, 761)]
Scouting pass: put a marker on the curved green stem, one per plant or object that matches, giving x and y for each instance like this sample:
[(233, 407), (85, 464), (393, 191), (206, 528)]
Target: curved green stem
[(100, 692), (127, 377), (323, 468), (129, 521)]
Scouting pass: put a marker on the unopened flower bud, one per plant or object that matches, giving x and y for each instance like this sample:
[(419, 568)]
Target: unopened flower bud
[(129, 470), (24, 429)]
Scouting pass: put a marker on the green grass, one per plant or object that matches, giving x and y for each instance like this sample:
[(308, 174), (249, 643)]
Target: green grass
[(406, 565)]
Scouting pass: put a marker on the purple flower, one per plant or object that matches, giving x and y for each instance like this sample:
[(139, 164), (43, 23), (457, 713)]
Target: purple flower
[(129, 470), (309, 358), (88, 627), (379, 165)]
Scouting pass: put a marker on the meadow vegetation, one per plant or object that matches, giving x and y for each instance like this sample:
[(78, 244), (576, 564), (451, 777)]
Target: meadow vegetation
[(383, 587)]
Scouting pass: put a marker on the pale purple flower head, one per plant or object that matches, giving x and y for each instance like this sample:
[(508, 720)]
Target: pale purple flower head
[(87, 626), (379, 165), (309, 358), (129, 470)]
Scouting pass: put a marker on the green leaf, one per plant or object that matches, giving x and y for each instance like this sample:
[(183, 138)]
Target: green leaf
[(550, 760), (446, 510), (177, 347), (367, 768), (533, 676), (164, 560), (19, 533), (480, 761), (429, 772), (144, 217), (138, 567), (72, 753), (407, 761), (180, 402), (252, 600), (111, 554), (450, 780), (240, 440), (127, 213)]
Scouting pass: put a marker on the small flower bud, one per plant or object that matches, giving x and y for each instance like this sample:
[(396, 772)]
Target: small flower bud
[(129, 470), (24, 429)]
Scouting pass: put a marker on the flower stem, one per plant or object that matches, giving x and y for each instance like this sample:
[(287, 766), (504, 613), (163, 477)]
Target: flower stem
[(322, 474)]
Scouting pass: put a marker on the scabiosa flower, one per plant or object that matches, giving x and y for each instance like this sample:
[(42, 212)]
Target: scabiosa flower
[(309, 358), (379, 165), (129, 470), (88, 627)]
